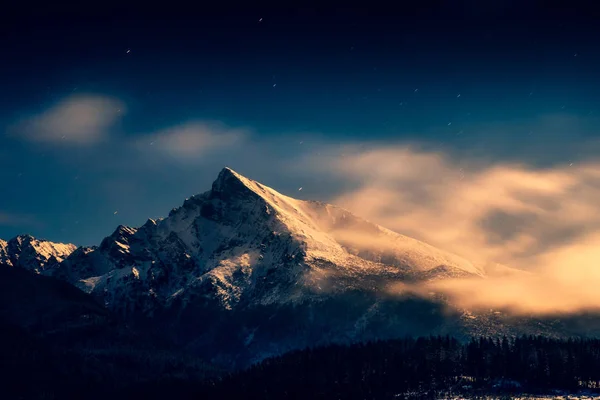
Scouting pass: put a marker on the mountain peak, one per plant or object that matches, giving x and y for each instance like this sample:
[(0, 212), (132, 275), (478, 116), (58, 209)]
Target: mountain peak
[(124, 230), (227, 175), (34, 254), (229, 170), (25, 238), (230, 184)]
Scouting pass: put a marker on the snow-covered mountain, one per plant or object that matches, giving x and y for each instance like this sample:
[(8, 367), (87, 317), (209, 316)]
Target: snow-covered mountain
[(39, 256), (242, 272), (242, 249), (235, 238)]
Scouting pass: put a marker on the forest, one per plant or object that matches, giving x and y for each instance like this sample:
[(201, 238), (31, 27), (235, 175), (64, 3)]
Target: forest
[(425, 367), (421, 368)]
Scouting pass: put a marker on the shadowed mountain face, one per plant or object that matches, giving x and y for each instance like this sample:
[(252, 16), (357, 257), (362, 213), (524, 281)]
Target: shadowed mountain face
[(242, 272), (43, 304), (59, 342), (37, 314)]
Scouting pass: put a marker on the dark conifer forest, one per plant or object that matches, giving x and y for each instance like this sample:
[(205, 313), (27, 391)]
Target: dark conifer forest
[(413, 368), (427, 367)]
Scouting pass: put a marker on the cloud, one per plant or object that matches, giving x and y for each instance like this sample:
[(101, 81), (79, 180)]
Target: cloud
[(543, 220), (192, 140), (16, 220), (79, 120), (566, 281)]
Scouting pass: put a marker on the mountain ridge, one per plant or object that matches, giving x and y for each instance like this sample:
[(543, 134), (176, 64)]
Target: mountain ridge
[(230, 183), (241, 272), (37, 255), (197, 234)]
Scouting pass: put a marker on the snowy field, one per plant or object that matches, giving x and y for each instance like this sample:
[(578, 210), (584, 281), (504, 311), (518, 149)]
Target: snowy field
[(526, 397)]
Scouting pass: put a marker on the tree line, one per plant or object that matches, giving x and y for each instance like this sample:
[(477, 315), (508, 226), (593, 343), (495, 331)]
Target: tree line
[(427, 367), (420, 368)]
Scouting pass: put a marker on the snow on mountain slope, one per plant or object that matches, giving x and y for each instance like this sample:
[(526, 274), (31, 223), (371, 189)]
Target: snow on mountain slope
[(36, 255), (4, 258), (331, 231), (243, 239)]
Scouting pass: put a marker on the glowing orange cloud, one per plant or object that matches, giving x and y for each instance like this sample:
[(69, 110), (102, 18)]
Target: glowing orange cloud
[(546, 221)]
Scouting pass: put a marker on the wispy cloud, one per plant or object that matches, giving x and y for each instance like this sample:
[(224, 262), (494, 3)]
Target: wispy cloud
[(79, 119), (191, 140), (565, 281), (507, 213), (17, 220), (542, 220)]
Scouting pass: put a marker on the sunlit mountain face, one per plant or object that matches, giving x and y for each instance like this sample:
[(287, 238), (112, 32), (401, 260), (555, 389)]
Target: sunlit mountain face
[(225, 187)]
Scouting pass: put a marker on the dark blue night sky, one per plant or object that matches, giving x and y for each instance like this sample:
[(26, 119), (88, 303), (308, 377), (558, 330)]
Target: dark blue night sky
[(266, 88)]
